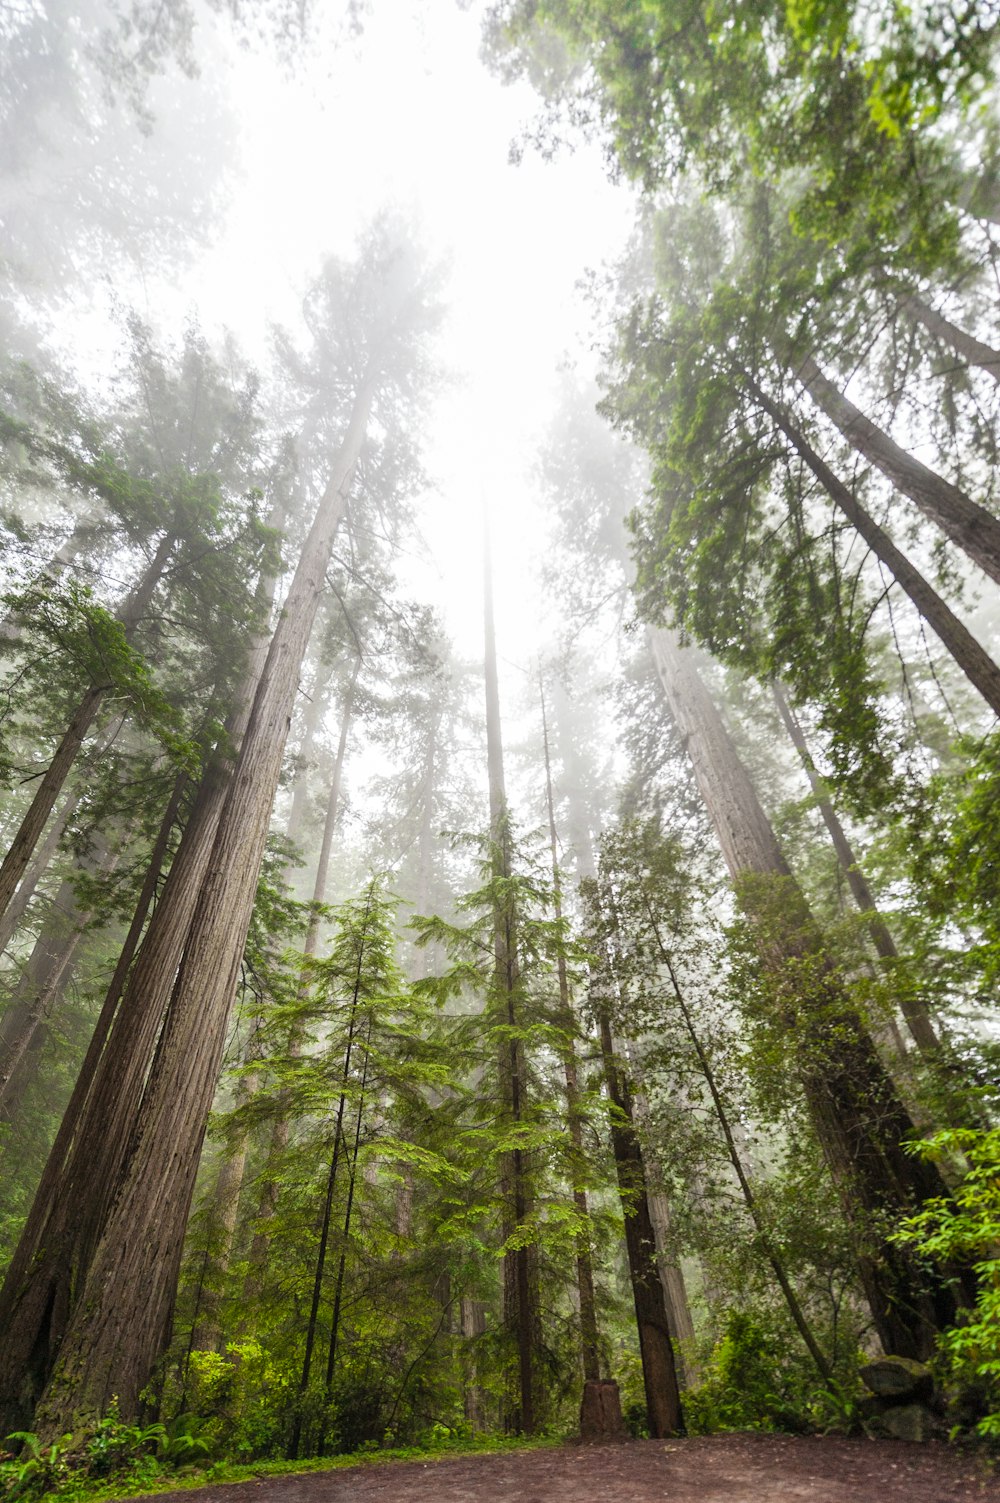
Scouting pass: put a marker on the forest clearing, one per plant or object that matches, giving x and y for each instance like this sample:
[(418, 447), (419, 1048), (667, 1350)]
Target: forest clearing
[(716, 1469), (499, 748)]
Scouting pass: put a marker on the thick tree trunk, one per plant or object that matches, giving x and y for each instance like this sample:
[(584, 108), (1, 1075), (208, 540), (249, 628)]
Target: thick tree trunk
[(973, 659), (36, 817), (971, 526), (659, 1372), (589, 1336), (916, 1019), (207, 1334), (35, 1299), (972, 350), (520, 1311), (859, 1121), (122, 1319)]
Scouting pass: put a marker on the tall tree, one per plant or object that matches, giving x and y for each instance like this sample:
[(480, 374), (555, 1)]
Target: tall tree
[(859, 1120), (122, 1318)]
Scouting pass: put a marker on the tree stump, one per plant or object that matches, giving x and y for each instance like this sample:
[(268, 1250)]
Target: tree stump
[(601, 1411)]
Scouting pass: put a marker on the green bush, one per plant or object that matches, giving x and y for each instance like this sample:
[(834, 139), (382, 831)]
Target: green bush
[(747, 1386), (966, 1228), (242, 1398)]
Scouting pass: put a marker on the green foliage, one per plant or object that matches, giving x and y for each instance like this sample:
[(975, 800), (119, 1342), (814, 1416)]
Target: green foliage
[(39, 1469), (749, 1383), (77, 1464), (235, 1404), (967, 1229)]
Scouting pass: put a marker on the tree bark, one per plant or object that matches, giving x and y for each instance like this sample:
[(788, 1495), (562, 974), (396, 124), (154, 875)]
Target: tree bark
[(973, 659), (971, 526), (659, 1372), (675, 1297), (122, 1319), (859, 1120), (35, 1298), (18, 905), (589, 1335), (972, 350), (281, 1129)]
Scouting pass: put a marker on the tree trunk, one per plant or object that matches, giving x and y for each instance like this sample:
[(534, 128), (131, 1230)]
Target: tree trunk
[(974, 661), (18, 905), (736, 1160), (310, 725), (659, 1373), (36, 817), (35, 1299), (671, 1274), (984, 356), (324, 1236), (122, 1319), (207, 1334), (859, 1121), (520, 1315), (44, 977), (280, 1131), (589, 1335), (971, 526), (917, 1021)]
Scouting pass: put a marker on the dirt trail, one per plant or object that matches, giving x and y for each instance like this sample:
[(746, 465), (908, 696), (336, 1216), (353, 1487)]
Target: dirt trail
[(705, 1469)]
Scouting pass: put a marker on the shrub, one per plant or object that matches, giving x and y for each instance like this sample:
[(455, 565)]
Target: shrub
[(966, 1228)]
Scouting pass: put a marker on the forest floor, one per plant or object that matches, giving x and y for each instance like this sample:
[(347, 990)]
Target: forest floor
[(705, 1469)]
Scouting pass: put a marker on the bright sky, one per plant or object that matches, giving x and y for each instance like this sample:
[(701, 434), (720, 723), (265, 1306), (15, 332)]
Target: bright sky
[(408, 113)]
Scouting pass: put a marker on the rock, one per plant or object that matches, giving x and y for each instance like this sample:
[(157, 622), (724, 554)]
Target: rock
[(601, 1411), (905, 1422), (898, 1379)]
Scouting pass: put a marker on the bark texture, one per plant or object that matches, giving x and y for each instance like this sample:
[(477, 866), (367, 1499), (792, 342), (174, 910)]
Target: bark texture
[(123, 1316)]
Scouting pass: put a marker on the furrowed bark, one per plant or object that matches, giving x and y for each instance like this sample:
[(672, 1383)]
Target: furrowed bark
[(122, 1319), (36, 1294)]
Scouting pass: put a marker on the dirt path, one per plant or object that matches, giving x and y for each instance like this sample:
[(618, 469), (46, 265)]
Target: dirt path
[(706, 1469)]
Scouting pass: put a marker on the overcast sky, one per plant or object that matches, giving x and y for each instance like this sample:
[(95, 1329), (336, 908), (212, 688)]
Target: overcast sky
[(407, 113)]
